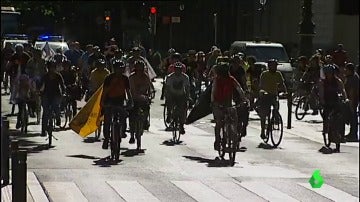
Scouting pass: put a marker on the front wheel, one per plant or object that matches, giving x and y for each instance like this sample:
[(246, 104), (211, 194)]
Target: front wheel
[(301, 108), (165, 115), (276, 131), (175, 132)]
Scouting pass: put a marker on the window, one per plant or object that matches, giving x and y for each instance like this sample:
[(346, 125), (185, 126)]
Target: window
[(348, 7)]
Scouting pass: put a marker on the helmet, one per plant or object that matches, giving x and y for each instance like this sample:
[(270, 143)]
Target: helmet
[(118, 64), (50, 63), (178, 65), (139, 63), (100, 63), (329, 69), (272, 61), (176, 56), (221, 60), (171, 51)]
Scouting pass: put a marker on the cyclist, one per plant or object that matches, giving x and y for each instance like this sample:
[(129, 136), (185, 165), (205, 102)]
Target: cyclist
[(330, 87), (191, 71), (221, 95), (6, 54), (140, 86), (177, 92), (116, 88), (70, 81), (97, 77), (270, 80), (23, 88), (52, 89)]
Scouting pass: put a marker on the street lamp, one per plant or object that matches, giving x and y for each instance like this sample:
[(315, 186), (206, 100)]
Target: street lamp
[(261, 9)]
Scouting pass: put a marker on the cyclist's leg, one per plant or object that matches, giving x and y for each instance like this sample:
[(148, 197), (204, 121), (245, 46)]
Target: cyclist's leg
[(74, 106), (170, 105), (106, 127), (132, 122), (263, 111), (21, 104), (56, 102), (182, 105), (46, 114), (218, 117)]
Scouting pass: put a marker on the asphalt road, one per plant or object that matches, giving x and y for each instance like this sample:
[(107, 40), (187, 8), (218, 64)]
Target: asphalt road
[(76, 168)]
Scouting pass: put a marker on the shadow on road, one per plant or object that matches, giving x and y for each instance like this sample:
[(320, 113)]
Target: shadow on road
[(171, 143), (91, 140), (210, 162), (82, 156), (132, 152), (314, 121), (106, 162), (266, 146)]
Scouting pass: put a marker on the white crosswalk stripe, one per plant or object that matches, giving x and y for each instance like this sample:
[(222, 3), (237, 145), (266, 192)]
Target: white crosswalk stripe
[(199, 191), (331, 193), (267, 192), (132, 191), (35, 188), (64, 192)]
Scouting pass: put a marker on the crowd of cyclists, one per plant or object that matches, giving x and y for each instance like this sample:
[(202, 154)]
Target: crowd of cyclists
[(127, 79)]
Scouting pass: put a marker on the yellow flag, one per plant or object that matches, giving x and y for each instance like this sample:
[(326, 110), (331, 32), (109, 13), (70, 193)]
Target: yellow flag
[(87, 120)]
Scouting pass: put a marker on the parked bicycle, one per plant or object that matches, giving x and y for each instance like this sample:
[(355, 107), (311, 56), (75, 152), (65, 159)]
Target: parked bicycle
[(310, 99)]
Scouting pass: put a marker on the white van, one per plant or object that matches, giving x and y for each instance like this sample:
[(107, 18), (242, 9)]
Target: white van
[(263, 51)]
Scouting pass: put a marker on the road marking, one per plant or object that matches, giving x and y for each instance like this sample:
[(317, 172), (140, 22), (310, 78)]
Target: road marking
[(331, 193), (266, 191), (132, 191), (199, 191), (35, 188), (233, 191), (64, 192)]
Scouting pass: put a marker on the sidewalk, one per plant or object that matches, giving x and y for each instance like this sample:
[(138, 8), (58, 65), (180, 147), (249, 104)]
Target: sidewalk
[(309, 128), (35, 192)]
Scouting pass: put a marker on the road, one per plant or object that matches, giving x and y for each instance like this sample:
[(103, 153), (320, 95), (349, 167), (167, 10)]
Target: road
[(75, 169)]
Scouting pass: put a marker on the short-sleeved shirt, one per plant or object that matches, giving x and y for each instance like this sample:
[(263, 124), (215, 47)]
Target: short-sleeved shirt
[(177, 84), (270, 81), (54, 84), (117, 85), (224, 89)]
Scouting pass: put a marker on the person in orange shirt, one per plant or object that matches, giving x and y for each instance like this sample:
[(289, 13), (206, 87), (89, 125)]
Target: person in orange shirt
[(115, 90)]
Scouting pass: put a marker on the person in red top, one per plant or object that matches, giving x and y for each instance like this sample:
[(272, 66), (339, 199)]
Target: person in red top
[(223, 88)]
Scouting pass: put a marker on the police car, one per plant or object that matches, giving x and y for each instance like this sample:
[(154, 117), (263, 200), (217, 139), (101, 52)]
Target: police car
[(263, 51), (14, 39), (54, 41)]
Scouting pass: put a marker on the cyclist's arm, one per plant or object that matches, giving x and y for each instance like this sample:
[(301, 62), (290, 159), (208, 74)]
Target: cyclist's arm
[(239, 89), (61, 83), (213, 87), (282, 83), (187, 87), (342, 88)]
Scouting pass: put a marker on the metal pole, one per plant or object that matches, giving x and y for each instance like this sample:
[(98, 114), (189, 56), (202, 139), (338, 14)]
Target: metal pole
[(261, 19), (170, 34), (215, 28), (14, 162), (289, 102), (19, 186), (5, 151)]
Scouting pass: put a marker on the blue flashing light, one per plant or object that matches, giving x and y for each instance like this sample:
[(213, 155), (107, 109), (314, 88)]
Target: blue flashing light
[(50, 37)]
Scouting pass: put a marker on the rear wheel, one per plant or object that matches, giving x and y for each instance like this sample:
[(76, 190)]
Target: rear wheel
[(175, 132), (276, 131), (139, 131), (222, 144), (232, 146), (301, 108)]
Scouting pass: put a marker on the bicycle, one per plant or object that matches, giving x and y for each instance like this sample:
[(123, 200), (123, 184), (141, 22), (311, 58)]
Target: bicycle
[(119, 113), (24, 118), (50, 126), (304, 103), (332, 125), (68, 112), (175, 124), (274, 125), (230, 133), (165, 115), (139, 125)]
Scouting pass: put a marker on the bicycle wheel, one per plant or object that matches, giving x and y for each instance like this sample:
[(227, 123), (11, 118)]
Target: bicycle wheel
[(165, 115), (24, 120), (267, 131), (138, 132), (115, 135), (50, 130), (276, 131), (301, 108), (175, 132), (232, 146), (222, 145)]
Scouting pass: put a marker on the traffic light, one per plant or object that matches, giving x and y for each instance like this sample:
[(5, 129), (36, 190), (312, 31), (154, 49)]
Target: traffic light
[(153, 10), (107, 21), (152, 20)]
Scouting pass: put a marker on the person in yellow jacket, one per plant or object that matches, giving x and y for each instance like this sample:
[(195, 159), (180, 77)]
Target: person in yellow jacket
[(97, 77)]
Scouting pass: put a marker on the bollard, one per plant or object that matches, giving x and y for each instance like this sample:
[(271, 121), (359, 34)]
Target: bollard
[(19, 186), (14, 162), (289, 102), (5, 151)]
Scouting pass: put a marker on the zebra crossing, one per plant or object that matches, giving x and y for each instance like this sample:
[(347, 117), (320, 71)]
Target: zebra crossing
[(191, 190)]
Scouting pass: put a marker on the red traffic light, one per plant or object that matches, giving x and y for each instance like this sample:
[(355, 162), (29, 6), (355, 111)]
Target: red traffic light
[(107, 18), (153, 10)]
